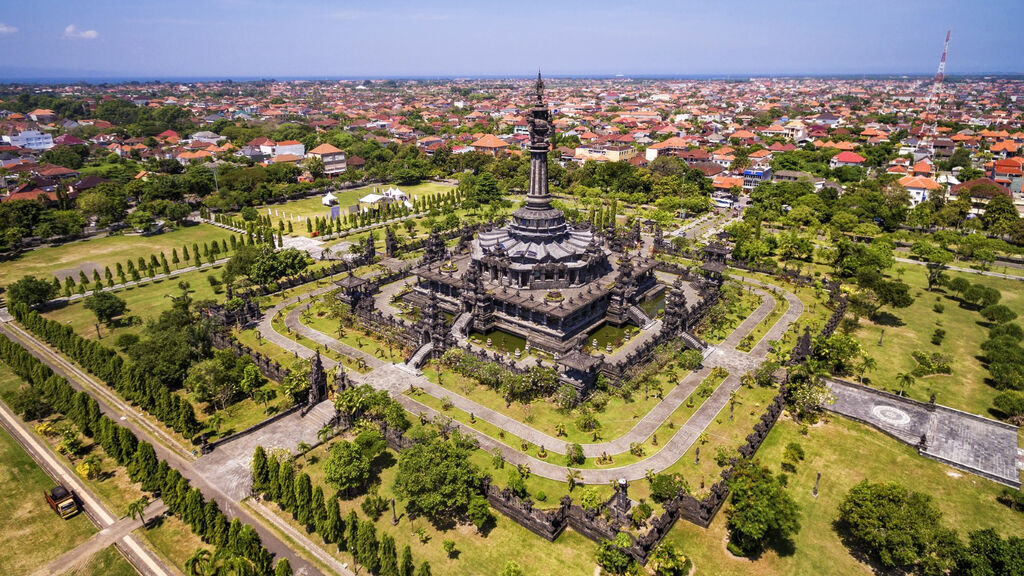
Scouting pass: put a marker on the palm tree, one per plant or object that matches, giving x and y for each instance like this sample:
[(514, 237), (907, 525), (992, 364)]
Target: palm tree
[(200, 563), (324, 433), (216, 421), (137, 508), (906, 379), (572, 476), (867, 364)]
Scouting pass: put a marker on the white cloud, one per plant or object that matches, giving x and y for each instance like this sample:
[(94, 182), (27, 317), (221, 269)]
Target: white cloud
[(5, 29), (72, 31)]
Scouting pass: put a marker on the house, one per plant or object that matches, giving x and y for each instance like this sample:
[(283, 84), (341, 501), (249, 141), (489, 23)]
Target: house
[(333, 158), (981, 191), (673, 145), (205, 136), (292, 147), (605, 153), (754, 176), (42, 115), (727, 183), (919, 188), (31, 139), (490, 144), (846, 158)]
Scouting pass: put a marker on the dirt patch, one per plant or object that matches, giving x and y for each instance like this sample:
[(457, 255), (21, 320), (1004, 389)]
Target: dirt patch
[(87, 267)]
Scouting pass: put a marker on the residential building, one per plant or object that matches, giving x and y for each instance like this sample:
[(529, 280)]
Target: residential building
[(754, 176), (31, 139), (333, 158)]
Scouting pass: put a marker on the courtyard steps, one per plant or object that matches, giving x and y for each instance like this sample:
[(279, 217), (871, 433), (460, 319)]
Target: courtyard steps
[(420, 355), (694, 342), (637, 314), (460, 329)]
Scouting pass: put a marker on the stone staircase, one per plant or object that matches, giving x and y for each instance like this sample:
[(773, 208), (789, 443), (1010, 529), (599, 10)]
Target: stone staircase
[(694, 342), (460, 329), (637, 314), (420, 355), (323, 413)]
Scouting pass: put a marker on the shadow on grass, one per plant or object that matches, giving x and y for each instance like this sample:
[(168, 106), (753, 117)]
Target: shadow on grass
[(887, 319)]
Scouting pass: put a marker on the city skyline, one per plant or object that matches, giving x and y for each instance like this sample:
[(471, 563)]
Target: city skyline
[(250, 39)]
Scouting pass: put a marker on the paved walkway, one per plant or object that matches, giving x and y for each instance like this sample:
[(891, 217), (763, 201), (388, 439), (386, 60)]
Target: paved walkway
[(966, 441), (116, 409), (396, 380), (228, 466), (111, 534), (966, 270), (148, 563)]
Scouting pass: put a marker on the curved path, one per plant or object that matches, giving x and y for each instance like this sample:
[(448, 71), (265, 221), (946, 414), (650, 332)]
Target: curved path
[(396, 380)]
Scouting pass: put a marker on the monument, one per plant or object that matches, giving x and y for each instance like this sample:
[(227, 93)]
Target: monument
[(539, 277)]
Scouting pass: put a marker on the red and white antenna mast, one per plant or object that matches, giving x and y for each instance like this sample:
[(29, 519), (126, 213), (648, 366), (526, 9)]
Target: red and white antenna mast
[(941, 74)]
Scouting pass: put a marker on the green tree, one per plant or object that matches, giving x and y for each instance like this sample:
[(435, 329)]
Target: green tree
[(30, 291), (137, 508), (998, 314), (761, 509), (424, 569), (666, 560), (406, 567), (436, 478), (612, 557), (388, 556), (105, 306), (366, 547), (283, 568), (347, 468), (895, 526)]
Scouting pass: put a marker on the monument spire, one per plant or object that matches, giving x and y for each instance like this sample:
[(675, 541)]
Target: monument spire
[(537, 197)]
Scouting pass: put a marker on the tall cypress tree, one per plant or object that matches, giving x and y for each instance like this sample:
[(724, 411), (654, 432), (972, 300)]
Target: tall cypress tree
[(424, 569), (286, 482), (388, 556), (366, 548), (406, 567), (260, 470), (318, 508), (283, 568), (351, 529), (332, 528), (273, 487), (303, 499)]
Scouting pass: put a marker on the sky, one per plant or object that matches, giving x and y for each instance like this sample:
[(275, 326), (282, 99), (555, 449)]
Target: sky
[(148, 39)]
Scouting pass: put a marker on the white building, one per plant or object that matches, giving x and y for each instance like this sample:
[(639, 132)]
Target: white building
[(31, 139)]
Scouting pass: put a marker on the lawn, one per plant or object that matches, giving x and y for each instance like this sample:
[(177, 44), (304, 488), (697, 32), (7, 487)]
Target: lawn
[(108, 251), (33, 534), (964, 389), (144, 302), (106, 562), (173, 540), (570, 555), (845, 452), (313, 207)]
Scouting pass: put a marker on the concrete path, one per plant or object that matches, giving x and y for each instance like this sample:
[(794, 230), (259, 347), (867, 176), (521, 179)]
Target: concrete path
[(392, 378), (966, 441), (113, 407), (966, 270), (112, 534), (228, 466), (144, 560)]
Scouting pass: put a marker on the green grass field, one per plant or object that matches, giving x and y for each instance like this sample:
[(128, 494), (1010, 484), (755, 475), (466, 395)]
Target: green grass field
[(33, 534), (313, 207), (845, 452), (570, 555), (173, 540), (106, 562), (145, 301), (965, 388), (108, 251)]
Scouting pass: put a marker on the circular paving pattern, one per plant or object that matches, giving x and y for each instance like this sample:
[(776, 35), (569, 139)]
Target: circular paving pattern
[(891, 415)]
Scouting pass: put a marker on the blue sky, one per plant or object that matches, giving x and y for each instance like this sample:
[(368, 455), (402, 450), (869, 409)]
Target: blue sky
[(284, 38)]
